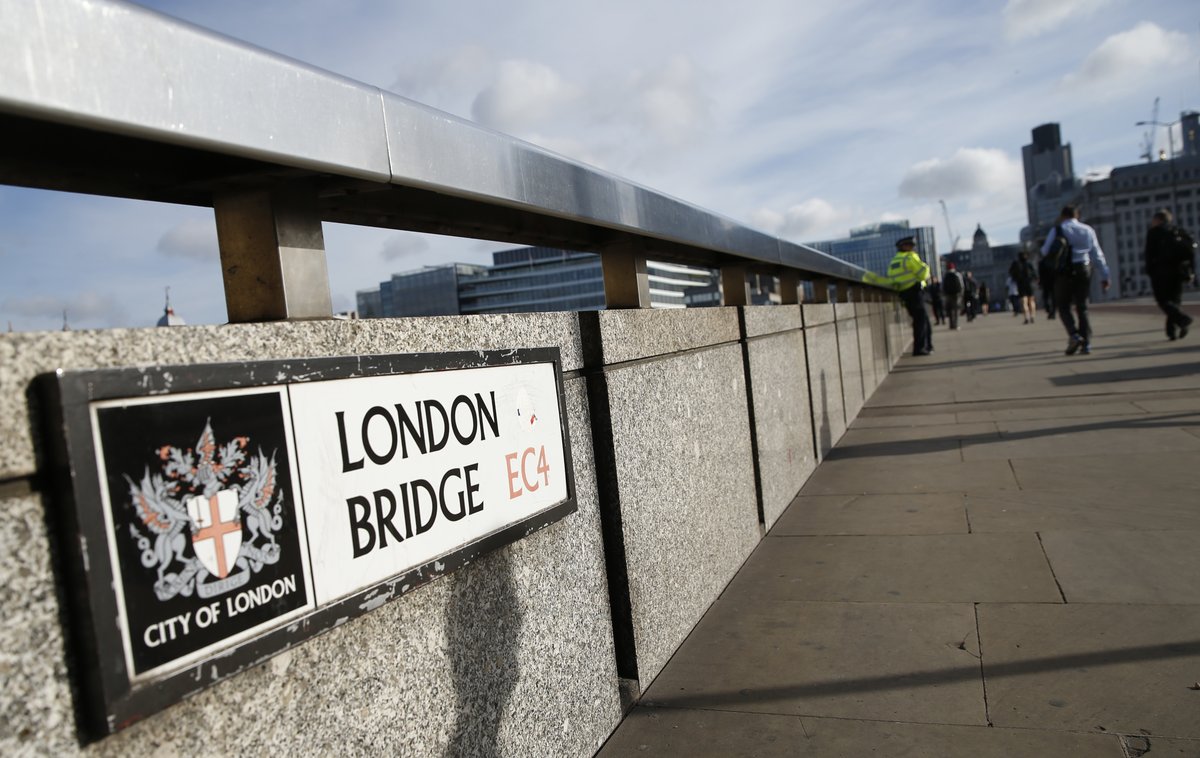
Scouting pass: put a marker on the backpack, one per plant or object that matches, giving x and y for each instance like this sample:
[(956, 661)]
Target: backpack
[(1060, 252)]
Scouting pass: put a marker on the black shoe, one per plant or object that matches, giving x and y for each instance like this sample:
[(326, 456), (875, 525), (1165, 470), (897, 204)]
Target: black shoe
[(1184, 329), (921, 352), (1074, 344)]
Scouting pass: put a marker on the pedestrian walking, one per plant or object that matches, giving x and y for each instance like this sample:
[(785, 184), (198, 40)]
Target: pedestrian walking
[(984, 294), (970, 296), (1075, 249), (1024, 276), (1046, 282), (952, 287), (1170, 263)]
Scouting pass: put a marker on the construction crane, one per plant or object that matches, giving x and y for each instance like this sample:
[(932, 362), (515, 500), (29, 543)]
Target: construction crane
[(1151, 136), (949, 229)]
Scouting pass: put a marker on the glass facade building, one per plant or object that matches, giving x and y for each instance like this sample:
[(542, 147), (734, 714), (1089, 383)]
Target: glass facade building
[(521, 280), (873, 247)]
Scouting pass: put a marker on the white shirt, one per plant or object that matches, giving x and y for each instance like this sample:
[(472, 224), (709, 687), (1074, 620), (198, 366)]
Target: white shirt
[(1084, 245)]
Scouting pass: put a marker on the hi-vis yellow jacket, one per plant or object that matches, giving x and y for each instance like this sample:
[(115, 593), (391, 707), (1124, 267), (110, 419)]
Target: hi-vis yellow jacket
[(905, 270)]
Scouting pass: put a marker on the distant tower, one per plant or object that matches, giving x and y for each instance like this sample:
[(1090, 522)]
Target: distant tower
[(1189, 126), (1050, 181), (981, 249), (169, 318)]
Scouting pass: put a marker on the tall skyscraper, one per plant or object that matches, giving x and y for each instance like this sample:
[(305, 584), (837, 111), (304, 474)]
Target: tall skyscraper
[(1050, 181)]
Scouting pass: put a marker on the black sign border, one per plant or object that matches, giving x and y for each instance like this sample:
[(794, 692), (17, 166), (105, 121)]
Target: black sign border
[(106, 701)]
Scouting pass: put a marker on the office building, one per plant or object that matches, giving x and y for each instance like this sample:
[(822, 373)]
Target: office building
[(1120, 208), (520, 280), (872, 247)]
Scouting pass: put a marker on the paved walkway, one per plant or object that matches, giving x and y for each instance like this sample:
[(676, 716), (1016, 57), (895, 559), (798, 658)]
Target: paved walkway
[(1000, 558)]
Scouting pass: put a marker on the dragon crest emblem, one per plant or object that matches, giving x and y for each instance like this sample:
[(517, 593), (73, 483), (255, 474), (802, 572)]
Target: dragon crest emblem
[(207, 518)]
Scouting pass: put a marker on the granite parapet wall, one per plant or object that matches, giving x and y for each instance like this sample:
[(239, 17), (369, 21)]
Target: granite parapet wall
[(690, 433)]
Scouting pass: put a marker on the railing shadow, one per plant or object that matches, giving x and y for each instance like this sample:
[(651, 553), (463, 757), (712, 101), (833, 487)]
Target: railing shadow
[(932, 678), (922, 446)]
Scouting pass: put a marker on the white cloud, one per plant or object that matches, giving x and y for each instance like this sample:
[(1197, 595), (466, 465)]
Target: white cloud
[(1129, 57), (400, 246), (523, 95), (1029, 18), (671, 101), (970, 172), (804, 219), (192, 239)]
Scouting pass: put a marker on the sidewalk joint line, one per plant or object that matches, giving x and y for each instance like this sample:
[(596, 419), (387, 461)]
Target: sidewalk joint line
[(1050, 566), (987, 714)]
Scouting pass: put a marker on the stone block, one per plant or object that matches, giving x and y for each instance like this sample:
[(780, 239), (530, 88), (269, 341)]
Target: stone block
[(782, 419), (686, 490), (628, 335), (825, 381), (772, 319), (852, 374), (816, 314)]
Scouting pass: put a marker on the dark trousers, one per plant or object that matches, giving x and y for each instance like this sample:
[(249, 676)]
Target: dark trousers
[(1071, 294), (950, 304), (914, 302), (1048, 299), (938, 313), (1168, 293)]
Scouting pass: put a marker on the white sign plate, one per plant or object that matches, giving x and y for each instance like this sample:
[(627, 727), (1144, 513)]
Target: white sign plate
[(399, 470)]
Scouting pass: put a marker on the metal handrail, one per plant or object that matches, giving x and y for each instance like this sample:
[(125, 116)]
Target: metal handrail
[(110, 98)]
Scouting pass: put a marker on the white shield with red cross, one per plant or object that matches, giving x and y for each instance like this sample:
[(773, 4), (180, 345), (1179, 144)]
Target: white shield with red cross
[(217, 536)]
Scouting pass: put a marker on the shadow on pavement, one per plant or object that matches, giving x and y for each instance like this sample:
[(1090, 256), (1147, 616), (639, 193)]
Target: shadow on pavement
[(921, 445), (930, 678)]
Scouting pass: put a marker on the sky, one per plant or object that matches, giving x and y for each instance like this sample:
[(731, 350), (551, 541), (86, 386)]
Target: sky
[(802, 118)]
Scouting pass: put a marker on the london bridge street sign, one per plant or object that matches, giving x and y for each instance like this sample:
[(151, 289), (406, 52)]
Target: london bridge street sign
[(219, 514)]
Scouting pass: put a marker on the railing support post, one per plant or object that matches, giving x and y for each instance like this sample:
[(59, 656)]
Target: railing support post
[(626, 283), (735, 290), (820, 290), (272, 254), (789, 288)]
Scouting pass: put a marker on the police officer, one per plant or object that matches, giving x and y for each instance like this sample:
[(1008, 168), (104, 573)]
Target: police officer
[(907, 274)]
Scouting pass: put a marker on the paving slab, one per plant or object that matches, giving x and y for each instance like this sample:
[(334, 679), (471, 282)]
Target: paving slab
[(1092, 668), (1135, 567), (893, 662), (863, 477), (1155, 472), (1111, 507), (874, 514), (950, 568), (719, 734)]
